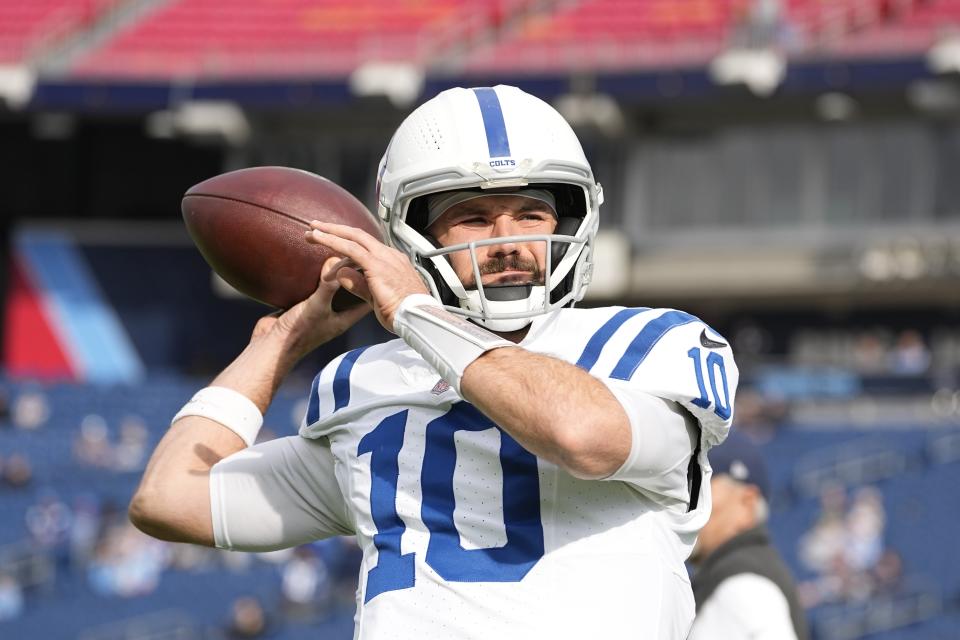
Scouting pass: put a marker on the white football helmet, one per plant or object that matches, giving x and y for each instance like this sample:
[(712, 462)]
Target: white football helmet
[(496, 139)]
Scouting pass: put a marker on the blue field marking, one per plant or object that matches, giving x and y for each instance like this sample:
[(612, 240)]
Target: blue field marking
[(591, 353), (497, 141), (648, 337), (89, 328), (341, 380)]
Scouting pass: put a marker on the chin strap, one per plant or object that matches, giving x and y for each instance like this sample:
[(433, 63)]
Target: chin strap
[(446, 341)]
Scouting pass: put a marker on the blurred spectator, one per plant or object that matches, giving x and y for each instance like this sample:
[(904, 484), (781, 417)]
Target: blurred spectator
[(910, 355), (30, 410), (870, 354), (306, 585), (92, 446), (248, 620), (16, 471), (84, 531), (11, 597), (865, 523), (888, 573), (48, 521), (126, 563), (131, 449), (846, 548), (824, 542), (742, 586)]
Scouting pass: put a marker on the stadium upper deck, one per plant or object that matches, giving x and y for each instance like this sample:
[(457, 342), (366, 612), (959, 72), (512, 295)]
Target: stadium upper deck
[(28, 27), (220, 38), (224, 38)]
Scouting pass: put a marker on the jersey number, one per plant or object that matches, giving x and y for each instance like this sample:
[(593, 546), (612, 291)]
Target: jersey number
[(715, 365), (521, 505)]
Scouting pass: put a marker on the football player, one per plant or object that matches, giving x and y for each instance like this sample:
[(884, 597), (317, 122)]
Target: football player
[(511, 466)]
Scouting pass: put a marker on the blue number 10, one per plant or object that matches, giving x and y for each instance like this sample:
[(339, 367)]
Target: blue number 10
[(715, 365), (445, 554), (393, 570)]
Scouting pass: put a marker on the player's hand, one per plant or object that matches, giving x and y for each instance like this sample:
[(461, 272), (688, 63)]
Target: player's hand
[(312, 322), (379, 274)]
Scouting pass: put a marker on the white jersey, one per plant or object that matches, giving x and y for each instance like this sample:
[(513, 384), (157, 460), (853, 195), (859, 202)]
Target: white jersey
[(467, 535), (746, 606)]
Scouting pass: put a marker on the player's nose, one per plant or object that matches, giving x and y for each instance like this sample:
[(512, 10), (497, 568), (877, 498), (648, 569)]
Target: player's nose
[(504, 225)]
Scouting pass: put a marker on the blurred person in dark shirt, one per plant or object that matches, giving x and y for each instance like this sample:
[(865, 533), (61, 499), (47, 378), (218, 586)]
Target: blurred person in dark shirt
[(742, 587)]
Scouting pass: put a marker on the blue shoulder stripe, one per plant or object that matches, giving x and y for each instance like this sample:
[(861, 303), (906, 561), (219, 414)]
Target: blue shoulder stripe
[(313, 407), (591, 353), (341, 379), (498, 144), (648, 337)]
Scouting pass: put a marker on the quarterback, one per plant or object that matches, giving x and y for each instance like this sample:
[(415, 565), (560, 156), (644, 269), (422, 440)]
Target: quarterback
[(512, 467)]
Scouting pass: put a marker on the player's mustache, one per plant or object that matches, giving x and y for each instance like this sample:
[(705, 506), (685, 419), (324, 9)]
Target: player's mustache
[(510, 263)]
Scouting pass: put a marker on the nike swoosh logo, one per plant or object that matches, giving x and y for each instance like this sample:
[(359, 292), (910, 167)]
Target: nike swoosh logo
[(708, 343)]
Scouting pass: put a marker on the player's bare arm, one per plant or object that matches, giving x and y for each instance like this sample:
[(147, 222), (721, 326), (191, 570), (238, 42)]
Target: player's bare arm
[(173, 499), (552, 408)]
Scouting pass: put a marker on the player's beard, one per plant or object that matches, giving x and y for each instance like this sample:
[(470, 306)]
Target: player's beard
[(509, 263)]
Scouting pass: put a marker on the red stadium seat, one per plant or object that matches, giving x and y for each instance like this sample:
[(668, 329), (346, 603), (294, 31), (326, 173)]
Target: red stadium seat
[(332, 37), (297, 36), (27, 27)]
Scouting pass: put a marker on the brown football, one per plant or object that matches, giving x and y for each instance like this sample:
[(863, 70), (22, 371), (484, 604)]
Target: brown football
[(249, 225)]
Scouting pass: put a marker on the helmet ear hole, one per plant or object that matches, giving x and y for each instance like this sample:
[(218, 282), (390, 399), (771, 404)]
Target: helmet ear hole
[(447, 296), (417, 216), (565, 227)]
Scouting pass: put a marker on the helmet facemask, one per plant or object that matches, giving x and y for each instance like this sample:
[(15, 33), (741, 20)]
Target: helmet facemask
[(508, 307)]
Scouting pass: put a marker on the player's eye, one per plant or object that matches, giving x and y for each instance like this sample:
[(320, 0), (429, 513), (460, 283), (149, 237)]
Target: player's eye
[(533, 216)]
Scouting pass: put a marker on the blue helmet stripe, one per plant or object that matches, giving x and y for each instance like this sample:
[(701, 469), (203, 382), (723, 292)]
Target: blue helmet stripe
[(341, 379), (497, 141), (648, 337)]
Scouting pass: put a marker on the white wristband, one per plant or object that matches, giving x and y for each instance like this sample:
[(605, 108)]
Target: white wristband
[(230, 408), (446, 341)]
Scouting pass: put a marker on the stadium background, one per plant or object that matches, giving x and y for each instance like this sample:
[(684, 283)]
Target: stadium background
[(783, 168)]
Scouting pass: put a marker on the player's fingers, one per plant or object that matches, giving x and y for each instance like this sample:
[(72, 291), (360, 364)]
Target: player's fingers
[(348, 317), (348, 248), (354, 282), (331, 273), (359, 236), (265, 323), (326, 287)]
